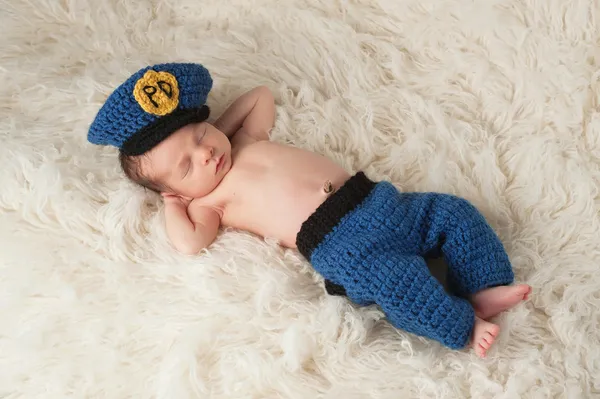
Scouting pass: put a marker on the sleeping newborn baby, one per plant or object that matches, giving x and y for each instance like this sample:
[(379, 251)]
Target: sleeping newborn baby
[(367, 239)]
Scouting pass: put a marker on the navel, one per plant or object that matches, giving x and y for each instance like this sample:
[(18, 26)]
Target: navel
[(328, 187)]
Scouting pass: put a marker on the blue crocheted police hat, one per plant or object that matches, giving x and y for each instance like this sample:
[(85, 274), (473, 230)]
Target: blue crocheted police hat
[(150, 105)]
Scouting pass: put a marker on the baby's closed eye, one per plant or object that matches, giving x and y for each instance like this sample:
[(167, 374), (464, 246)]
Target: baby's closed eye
[(187, 168)]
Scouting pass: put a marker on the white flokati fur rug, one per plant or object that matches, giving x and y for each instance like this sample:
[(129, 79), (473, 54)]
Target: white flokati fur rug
[(496, 101)]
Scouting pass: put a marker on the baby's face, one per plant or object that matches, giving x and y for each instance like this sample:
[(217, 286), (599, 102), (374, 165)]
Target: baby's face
[(191, 162)]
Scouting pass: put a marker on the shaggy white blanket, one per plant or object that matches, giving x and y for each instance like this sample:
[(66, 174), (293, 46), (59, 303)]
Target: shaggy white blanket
[(496, 101)]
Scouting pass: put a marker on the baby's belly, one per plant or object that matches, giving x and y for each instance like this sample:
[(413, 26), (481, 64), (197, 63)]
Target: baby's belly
[(279, 209), (283, 220)]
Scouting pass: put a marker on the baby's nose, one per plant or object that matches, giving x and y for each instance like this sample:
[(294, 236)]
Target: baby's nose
[(208, 154)]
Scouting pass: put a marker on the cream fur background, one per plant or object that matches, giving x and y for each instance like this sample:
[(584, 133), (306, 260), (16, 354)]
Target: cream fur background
[(497, 101)]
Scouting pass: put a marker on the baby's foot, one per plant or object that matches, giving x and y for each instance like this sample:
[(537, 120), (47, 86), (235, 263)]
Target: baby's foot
[(484, 335), (488, 303)]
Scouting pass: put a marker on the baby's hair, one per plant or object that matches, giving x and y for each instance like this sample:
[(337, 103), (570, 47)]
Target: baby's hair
[(131, 166)]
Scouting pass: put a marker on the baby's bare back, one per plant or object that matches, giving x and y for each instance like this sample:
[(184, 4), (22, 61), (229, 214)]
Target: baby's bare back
[(272, 189)]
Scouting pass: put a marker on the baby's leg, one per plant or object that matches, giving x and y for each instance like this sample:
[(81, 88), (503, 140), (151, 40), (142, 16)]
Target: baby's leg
[(419, 304), (478, 265), (475, 255), (414, 300)]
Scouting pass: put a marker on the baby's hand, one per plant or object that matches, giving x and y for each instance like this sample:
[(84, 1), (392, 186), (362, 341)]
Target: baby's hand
[(189, 236)]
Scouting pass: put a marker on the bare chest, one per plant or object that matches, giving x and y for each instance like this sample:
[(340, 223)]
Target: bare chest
[(273, 191)]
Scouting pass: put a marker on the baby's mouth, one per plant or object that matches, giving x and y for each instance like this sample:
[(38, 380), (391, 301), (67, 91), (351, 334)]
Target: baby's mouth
[(220, 163)]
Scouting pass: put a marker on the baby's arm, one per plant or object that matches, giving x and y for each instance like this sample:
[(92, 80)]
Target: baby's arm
[(253, 114), (190, 228)]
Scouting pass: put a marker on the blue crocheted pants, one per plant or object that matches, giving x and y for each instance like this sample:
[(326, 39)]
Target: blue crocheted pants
[(371, 241)]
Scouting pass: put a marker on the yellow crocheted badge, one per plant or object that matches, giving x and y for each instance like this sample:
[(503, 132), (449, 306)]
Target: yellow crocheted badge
[(157, 92)]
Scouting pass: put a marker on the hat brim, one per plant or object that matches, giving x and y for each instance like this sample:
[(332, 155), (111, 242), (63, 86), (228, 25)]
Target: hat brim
[(150, 136)]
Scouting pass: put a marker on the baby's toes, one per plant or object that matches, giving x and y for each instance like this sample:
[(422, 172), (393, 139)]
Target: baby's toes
[(480, 351), (486, 341), (523, 291), (493, 331)]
